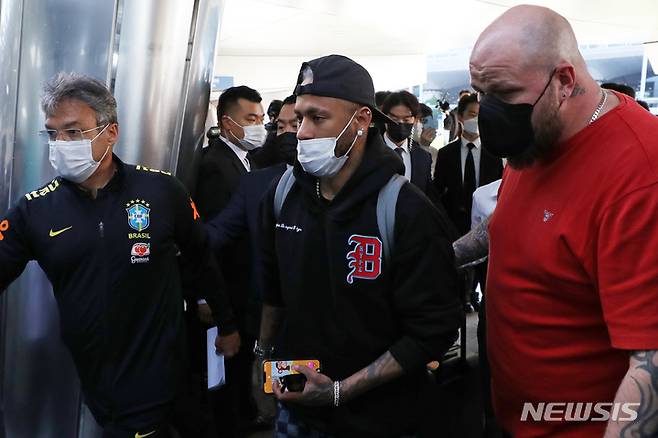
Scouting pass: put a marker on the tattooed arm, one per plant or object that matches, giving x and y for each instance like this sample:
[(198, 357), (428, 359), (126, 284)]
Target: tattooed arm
[(473, 246), (381, 371), (319, 389), (640, 386)]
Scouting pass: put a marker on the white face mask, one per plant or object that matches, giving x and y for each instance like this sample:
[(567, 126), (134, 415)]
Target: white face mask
[(74, 160), (254, 136), (471, 126), (318, 155)]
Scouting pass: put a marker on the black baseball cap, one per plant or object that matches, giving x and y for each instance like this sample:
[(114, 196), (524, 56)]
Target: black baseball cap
[(340, 77)]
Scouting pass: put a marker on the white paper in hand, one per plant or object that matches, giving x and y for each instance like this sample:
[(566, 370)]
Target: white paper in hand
[(216, 376)]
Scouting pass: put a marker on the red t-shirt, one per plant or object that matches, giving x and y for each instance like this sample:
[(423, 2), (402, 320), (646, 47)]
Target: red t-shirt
[(573, 272)]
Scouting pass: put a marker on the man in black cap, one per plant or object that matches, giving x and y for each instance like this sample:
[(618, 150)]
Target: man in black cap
[(353, 268)]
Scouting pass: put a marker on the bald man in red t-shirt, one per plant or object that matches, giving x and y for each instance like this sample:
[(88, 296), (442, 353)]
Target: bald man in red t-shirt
[(572, 298)]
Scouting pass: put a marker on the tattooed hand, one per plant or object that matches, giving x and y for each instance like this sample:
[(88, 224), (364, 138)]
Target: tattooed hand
[(640, 386), (318, 391)]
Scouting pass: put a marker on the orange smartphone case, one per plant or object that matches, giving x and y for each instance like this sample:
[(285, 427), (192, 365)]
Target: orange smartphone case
[(275, 369)]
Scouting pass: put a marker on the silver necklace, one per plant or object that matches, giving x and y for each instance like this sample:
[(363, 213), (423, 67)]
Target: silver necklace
[(599, 108), (317, 187)]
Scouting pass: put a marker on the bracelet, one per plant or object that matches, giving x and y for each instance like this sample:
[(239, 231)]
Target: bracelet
[(261, 353), (336, 393)]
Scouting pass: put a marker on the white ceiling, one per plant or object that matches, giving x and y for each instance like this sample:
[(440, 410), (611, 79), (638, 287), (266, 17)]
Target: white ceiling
[(270, 38), (394, 27)]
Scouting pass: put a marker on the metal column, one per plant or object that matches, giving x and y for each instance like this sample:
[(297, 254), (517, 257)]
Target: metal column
[(158, 55)]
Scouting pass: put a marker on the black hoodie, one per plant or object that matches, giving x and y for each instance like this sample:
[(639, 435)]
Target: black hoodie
[(345, 306)]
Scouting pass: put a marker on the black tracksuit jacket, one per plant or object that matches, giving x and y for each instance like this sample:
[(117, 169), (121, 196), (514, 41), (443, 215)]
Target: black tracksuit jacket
[(346, 306), (115, 273)]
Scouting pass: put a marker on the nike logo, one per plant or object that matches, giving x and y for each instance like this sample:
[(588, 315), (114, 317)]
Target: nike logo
[(57, 233), (138, 435)]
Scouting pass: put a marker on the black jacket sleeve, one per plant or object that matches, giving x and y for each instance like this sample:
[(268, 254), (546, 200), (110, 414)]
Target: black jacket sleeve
[(15, 250), (213, 191), (439, 174), (440, 178), (229, 225), (199, 267), (426, 284), (271, 282), (428, 185)]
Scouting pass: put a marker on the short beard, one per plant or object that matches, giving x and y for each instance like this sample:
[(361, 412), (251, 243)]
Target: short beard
[(547, 135)]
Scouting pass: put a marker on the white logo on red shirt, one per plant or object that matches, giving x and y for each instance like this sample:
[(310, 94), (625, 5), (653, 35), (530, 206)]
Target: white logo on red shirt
[(548, 215), (365, 259)]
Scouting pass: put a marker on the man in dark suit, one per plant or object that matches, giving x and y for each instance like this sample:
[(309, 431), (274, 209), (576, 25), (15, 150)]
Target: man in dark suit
[(240, 118), (403, 107), (463, 165), (241, 218), (450, 122)]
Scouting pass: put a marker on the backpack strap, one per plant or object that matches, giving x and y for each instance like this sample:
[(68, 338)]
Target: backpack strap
[(282, 188), (386, 205)]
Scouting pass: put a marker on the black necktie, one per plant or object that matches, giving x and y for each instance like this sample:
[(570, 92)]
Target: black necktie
[(399, 150), (249, 161), (469, 177)]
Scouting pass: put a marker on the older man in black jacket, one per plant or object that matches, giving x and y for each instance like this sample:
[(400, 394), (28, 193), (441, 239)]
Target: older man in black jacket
[(107, 235)]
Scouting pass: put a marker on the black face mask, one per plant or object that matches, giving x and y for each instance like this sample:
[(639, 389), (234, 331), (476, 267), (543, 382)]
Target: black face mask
[(505, 128), (400, 131), (286, 144)]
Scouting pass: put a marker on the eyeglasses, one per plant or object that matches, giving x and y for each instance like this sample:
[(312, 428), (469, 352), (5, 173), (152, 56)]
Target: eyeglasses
[(67, 134)]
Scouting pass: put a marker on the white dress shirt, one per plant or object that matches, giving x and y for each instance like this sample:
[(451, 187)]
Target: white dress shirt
[(239, 152), (477, 152), (484, 202), (406, 154)]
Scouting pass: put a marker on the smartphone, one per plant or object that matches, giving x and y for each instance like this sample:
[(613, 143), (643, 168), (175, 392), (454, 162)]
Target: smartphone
[(282, 370), (430, 122)]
